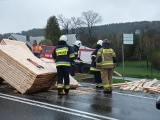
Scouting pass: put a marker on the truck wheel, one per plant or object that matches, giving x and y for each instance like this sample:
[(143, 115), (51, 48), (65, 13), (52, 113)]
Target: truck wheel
[(85, 69), (76, 69), (158, 103)]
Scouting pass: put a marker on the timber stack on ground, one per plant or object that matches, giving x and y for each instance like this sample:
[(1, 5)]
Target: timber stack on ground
[(22, 70), (141, 85)]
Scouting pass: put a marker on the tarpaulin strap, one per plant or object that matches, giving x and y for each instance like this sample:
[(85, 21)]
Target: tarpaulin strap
[(34, 63)]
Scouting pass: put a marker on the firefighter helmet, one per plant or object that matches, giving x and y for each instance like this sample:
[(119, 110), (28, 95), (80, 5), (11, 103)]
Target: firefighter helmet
[(78, 43), (63, 38), (100, 42)]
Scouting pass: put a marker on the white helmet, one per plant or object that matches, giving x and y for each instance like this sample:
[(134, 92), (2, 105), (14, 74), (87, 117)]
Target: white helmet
[(100, 42), (63, 38), (78, 43)]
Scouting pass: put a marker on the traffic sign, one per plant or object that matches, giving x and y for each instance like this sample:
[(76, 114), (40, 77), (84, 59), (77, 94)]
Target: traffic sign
[(127, 38)]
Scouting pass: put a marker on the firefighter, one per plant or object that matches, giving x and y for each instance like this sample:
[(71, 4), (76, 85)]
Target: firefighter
[(75, 48), (36, 49), (106, 60), (63, 57), (93, 70)]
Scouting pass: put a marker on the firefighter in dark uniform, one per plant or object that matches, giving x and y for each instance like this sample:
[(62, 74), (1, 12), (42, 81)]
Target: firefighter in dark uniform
[(93, 70), (75, 48), (106, 61), (63, 56)]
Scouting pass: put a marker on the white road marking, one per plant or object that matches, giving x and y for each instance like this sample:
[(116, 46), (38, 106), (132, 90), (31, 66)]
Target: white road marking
[(134, 95), (56, 107), (50, 108)]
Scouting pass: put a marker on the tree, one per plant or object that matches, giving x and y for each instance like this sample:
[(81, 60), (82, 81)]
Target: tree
[(52, 30), (69, 24), (89, 19), (64, 22), (46, 42)]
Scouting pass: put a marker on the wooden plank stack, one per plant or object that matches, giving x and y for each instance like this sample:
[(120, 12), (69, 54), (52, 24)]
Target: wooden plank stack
[(16, 43), (23, 75), (141, 85)]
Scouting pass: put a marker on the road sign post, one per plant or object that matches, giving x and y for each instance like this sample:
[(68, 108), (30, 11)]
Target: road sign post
[(127, 39)]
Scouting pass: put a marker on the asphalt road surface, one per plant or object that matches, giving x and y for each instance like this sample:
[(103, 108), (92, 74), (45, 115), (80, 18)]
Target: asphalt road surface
[(85, 103)]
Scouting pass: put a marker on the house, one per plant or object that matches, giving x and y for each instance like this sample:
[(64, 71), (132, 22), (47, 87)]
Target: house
[(28, 39)]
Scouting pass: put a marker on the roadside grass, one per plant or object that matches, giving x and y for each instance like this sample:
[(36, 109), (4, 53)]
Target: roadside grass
[(119, 81), (137, 69), (84, 77), (80, 77)]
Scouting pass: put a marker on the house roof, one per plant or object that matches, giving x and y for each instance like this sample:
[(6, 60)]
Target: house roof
[(24, 38)]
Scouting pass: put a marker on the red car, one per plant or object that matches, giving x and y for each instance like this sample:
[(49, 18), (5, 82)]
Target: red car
[(47, 51)]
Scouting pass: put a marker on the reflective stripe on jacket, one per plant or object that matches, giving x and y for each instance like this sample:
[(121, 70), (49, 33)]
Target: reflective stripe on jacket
[(62, 55)]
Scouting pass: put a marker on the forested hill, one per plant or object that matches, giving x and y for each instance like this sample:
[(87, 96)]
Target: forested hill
[(34, 32), (128, 27)]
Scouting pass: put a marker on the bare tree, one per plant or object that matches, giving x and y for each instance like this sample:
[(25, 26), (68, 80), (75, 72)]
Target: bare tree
[(90, 19), (75, 23), (64, 23)]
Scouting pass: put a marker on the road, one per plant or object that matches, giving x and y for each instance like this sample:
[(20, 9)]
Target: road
[(85, 103)]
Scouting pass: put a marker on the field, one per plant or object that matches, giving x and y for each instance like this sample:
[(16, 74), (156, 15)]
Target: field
[(137, 69)]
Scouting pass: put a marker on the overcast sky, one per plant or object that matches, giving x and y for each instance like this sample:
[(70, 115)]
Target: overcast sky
[(19, 15)]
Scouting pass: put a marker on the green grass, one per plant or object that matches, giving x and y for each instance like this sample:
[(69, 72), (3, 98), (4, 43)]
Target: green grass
[(137, 69), (79, 78), (118, 81)]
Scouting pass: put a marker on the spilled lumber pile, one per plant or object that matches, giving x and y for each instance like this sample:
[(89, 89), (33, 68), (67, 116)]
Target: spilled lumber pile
[(141, 85), (22, 70)]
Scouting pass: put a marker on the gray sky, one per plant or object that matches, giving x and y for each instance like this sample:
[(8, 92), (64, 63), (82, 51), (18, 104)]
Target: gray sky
[(18, 15)]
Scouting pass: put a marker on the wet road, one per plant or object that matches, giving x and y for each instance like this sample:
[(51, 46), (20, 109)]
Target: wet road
[(82, 104)]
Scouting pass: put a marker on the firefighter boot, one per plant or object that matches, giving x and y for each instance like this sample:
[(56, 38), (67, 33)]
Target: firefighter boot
[(60, 91), (110, 88), (66, 89), (99, 86), (106, 89)]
